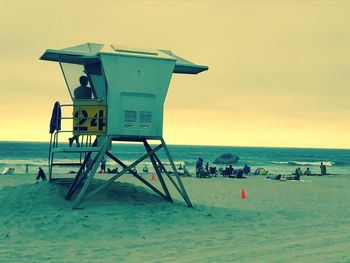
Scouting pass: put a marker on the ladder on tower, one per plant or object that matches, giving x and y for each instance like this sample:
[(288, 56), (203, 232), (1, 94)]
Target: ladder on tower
[(82, 144)]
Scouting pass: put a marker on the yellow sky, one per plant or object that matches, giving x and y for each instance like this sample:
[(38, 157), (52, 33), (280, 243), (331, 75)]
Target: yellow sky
[(279, 72)]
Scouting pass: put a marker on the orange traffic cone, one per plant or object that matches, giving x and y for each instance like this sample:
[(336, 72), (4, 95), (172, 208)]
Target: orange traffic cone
[(153, 177), (243, 195)]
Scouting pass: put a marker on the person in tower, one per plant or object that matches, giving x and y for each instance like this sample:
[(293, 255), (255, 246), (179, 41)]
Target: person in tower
[(83, 92)]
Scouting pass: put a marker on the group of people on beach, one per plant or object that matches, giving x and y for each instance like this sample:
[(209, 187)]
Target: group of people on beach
[(203, 172), (207, 171), (229, 171), (308, 172), (298, 172)]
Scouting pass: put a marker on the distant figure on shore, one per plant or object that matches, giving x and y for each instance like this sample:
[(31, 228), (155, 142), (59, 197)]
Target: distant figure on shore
[(246, 169), (298, 172), (27, 169), (103, 166), (180, 167), (186, 172), (274, 177), (199, 166), (307, 172), (41, 175), (113, 171), (207, 167), (323, 169), (161, 168), (296, 176), (8, 170), (229, 170), (239, 174)]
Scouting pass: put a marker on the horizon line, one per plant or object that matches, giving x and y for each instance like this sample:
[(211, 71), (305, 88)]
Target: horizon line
[(212, 145)]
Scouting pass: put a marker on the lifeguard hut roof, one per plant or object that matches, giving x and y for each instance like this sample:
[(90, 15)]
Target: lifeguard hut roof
[(89, 53)]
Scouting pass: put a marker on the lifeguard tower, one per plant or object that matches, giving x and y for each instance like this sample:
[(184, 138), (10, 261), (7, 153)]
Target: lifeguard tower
[(124, 91)]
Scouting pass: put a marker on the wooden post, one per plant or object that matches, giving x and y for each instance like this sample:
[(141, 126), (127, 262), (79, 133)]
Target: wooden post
[(77, 179), (187, 199), (49, 159), (159, 175), (169, 176), (111, 180), (80, 175), (136, 175), (92, 172)]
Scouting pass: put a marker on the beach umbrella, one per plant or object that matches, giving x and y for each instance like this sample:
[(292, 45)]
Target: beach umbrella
[(226, 158)]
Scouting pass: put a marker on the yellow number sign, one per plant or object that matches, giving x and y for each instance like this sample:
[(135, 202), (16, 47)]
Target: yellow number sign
[(89, 117)]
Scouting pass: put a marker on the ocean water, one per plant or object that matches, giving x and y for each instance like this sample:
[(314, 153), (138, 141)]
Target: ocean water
[(275, 160)]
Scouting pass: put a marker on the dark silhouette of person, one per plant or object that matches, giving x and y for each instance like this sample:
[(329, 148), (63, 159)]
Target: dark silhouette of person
[(83, 91), (41, 175), (199, 166), (207, 167), (308, 172), (246, 169), (230, 169), (239, 174), (323, 169), (103, 166)]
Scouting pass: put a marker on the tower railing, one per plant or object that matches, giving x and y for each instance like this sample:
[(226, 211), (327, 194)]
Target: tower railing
[(79, 130), (84, 136)]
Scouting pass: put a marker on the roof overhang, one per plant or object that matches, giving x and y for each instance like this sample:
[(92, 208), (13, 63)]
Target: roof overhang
[(89, 53), (68, 57)]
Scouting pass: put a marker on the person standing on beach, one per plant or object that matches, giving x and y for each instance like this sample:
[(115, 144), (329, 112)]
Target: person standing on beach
[(41, 175), (323, 169), (199, 166), (103, 166)]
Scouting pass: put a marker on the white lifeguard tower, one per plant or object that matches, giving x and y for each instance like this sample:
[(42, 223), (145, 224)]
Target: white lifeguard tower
[(124, 94)]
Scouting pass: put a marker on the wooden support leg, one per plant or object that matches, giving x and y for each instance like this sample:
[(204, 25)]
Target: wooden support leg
[(169, 176), (125, 170), (185, 196), (136, 175), (49, 159), (92, 172), (81, 174), (166, 191), (50, 168), (77, 179)]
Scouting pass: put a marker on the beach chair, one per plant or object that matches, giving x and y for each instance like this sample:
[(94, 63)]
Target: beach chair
[(239, 174), (229, 172), (204, 174), (213, 171)]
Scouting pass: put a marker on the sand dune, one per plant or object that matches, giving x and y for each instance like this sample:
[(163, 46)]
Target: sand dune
[(278, 222)]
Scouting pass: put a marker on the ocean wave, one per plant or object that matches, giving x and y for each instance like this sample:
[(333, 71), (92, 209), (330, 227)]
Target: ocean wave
[(23, 162), (299, 163)]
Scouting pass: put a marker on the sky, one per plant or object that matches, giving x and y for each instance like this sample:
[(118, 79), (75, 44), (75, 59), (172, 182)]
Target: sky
[(279, 71)]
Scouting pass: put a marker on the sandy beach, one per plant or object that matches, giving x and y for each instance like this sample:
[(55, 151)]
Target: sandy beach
[(278, 222), (151, 87)]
